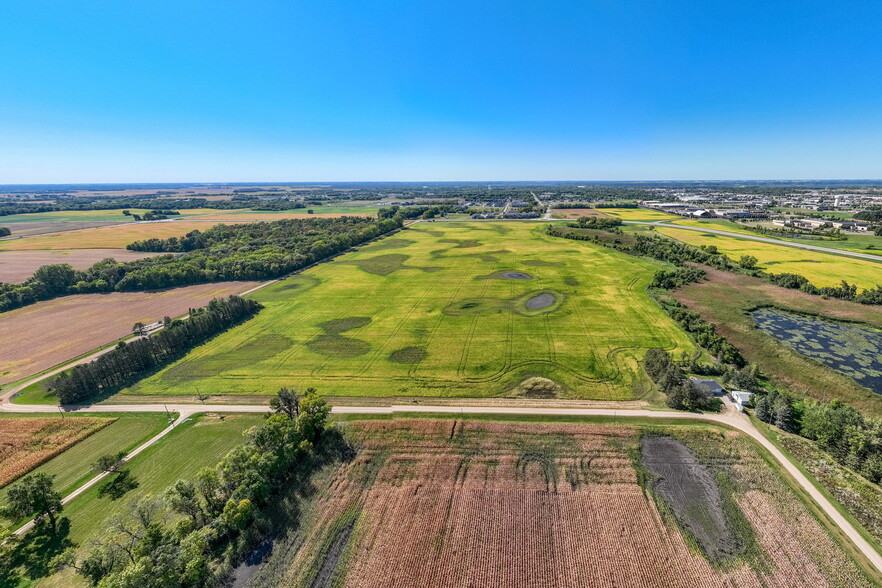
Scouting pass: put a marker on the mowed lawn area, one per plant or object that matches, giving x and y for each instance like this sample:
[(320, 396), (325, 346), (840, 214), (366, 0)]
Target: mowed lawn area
[(822, 269), (443, 309)]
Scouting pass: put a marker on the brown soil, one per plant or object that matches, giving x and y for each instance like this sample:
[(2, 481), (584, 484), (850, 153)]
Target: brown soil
[(540, 302), (689, 490), (17, 266), (47, 333)]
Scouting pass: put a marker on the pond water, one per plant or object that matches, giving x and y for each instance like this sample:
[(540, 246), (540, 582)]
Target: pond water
[(853, 350)]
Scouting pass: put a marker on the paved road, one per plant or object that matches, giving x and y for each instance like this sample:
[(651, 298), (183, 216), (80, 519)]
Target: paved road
[(730, 417)]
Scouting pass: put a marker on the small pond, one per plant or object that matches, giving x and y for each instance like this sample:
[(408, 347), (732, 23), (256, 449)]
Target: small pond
[(853, 350)]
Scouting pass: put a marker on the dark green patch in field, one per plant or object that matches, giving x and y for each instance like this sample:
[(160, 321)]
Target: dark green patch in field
[(488, 256), (570, 281), (529, 304), (333, 344), (408, 355), (543, 263), (392, 243), (431, 232), (506, 275), (383, 265), (341, 325), (462, 243), (258, 349)]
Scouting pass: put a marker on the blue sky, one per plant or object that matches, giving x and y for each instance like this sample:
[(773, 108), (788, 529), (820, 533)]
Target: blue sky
[(222, 90)]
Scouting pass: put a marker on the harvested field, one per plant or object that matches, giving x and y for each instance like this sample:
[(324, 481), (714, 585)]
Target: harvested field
[(577, 212), (477, 337), (113, 237), (26, 229), (47, 333), (466, 503), (16, 266), (27, 442), (726, 300)]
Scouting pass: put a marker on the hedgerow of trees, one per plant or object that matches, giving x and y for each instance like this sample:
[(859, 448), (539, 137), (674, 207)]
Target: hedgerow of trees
[(5, 232), (681, 393), (130, 361), (252, 251), (223, 514)]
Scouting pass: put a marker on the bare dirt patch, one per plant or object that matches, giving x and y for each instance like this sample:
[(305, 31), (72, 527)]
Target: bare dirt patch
[(544, 300), (47, 333), (17, 266), (688, 489)]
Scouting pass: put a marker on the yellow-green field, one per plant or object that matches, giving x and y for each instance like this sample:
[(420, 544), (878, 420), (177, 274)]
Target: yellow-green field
[(716, 224), (429, 312), (863, 243), (821, 269), (638, 214)]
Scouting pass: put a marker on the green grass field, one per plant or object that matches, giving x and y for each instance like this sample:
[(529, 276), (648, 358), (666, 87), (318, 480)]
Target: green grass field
[(822, 269), (196, 444), (429, 312)]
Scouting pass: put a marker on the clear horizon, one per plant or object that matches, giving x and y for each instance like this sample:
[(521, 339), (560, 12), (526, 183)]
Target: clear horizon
[(167, 92)]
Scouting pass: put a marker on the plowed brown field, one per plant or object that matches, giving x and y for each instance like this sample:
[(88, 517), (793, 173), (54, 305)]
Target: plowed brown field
[(464, 503), (16, 266), (47, 333)]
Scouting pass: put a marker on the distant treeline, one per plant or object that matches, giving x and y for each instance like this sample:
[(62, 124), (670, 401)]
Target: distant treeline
[(130, 361), (872, 215), (598, 223), (679, 253), (252, 251)]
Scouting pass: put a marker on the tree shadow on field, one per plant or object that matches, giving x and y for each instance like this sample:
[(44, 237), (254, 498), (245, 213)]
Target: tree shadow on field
[(39, 547), (123, 482)]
